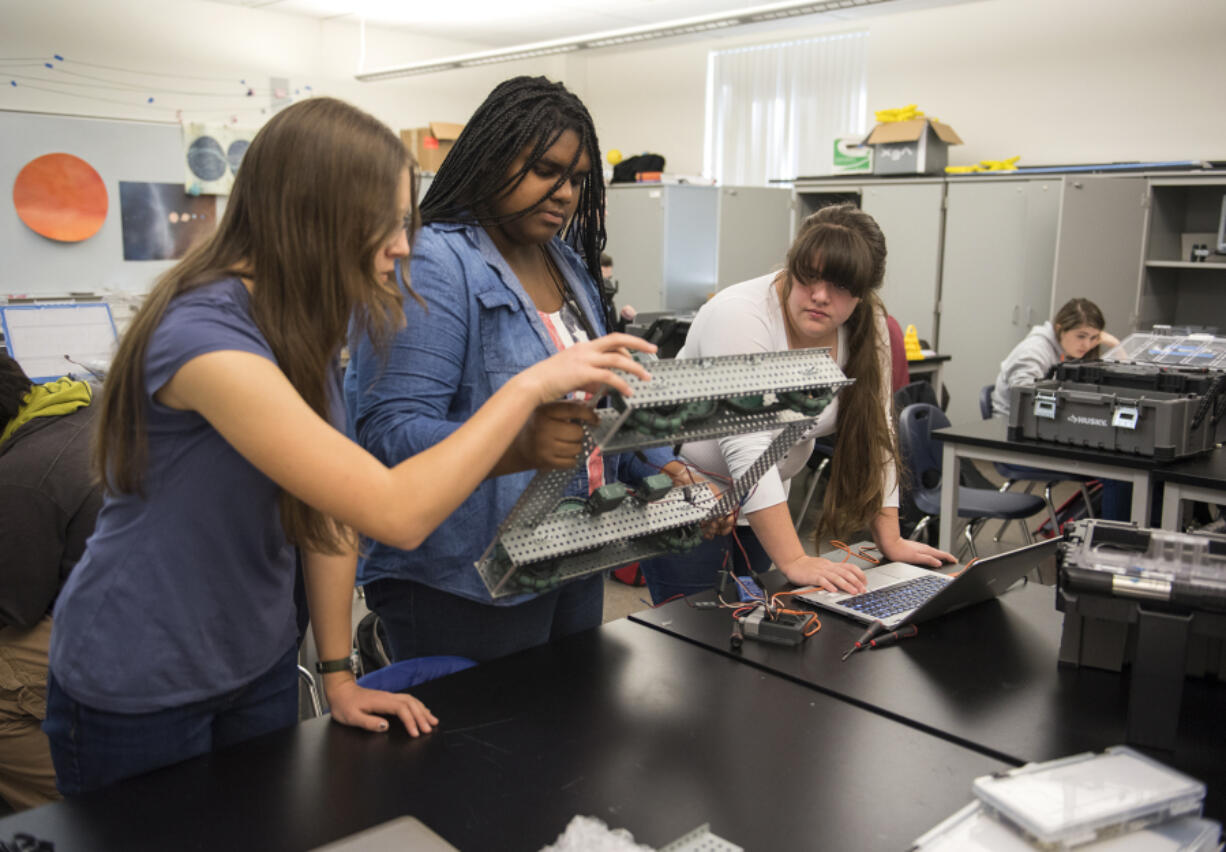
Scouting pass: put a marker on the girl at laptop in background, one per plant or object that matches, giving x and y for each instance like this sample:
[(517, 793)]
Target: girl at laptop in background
[(220, 443), (508, 266), (825, 296), (1075, 332)]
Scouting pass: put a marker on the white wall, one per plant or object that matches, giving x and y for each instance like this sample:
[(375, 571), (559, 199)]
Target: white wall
[(193, 37), (1056, 81)]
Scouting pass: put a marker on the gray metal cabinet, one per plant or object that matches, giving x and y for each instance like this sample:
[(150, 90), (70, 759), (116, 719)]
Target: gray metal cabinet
[(1000, 239), (662, 238), (1098, 241), (910, 213), (673, 245), (754, 231), (911, 218)]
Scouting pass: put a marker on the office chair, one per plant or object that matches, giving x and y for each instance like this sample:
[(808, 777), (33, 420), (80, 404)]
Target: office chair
[(922, 462), (1013, 473)]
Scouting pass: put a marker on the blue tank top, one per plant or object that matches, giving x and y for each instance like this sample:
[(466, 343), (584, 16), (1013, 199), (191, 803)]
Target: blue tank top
[(186, 592)]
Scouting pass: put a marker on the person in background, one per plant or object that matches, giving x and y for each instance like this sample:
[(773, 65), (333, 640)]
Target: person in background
[(826, 296), (48, 503), (1075, 332), (222, 448), (614, 319), (508, 268)]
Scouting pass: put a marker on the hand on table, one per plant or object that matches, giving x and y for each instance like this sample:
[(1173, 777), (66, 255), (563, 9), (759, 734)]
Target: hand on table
[(357, 706)]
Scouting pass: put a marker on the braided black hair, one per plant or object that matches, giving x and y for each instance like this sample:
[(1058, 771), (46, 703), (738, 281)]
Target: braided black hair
[(521, 113), (14, 385)]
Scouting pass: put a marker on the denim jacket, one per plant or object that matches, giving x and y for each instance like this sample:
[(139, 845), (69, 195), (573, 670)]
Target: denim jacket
[(479, 328)]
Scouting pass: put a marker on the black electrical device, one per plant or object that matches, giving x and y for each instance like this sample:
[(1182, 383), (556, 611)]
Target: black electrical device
[(783, 629)]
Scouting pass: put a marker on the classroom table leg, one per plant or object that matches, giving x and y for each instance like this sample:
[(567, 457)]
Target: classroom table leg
[(949, 496)]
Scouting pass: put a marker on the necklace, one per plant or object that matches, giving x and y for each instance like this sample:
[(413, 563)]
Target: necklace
[(558, 283)]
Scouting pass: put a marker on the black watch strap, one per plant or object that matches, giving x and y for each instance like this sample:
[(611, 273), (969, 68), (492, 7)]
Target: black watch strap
[(344, 664)]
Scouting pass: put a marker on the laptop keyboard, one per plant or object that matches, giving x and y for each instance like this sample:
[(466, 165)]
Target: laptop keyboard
[(899, 598)]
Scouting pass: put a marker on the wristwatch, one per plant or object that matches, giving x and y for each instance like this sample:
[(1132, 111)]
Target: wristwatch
[(344, 664)]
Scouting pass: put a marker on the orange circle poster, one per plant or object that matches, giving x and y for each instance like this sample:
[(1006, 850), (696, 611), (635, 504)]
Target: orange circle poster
[(60, 197)]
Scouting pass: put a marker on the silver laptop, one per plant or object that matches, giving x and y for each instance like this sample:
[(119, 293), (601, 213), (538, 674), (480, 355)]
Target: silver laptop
[(899, 593)]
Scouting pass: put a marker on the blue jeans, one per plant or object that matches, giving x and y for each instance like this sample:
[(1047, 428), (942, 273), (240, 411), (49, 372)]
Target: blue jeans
[(424, 622), (1117, 502), (698, 570), (94, 748)]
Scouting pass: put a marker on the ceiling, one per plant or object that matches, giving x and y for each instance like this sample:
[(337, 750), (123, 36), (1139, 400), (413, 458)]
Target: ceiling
[(502, 23)]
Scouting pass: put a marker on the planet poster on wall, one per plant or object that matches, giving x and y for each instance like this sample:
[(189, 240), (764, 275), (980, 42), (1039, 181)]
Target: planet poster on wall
[(161, 221), (212, 155), (60, 197)]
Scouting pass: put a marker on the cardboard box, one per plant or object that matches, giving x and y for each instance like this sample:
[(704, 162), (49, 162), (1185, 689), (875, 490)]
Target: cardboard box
[(429, 145), (916, 147), (852, 157)]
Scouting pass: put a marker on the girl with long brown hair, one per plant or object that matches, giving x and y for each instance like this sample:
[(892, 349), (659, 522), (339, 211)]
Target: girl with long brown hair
[(220, 444), (825, 296)]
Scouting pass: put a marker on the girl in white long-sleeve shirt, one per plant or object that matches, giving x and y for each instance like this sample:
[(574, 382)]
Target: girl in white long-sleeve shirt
[(1075, 332), (826, 296)]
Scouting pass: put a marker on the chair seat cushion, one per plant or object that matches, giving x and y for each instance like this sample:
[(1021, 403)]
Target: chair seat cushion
[(1021, 472), (406, 674), (984, 503)]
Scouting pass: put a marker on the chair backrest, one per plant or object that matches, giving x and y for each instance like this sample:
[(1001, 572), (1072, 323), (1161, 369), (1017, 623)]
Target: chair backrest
[(921, 452), (918, 391), (985, 401)]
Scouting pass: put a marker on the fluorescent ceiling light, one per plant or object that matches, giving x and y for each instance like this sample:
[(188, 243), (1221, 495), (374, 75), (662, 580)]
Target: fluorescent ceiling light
[(614, 38)]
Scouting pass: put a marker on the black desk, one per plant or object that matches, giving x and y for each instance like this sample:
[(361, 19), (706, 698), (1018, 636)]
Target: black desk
[(988, 440), (985, 677), (1198, 478), (930, 369), (623, 723)]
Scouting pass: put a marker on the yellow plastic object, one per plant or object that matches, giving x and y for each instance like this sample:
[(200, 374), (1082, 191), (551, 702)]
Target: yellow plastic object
[(907, 113), (1008, 165), (911, 344), (614, 156)]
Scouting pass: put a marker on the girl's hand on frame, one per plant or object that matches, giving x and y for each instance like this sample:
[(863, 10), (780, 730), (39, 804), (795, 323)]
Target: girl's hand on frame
[(915, 553), (357, 707), (589, 366), (553, 436), (825, 574)]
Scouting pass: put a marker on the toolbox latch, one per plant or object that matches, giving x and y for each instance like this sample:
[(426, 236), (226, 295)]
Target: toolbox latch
[(1045, 404), (1125, 416)]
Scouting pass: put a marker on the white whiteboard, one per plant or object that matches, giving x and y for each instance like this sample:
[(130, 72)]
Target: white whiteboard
[(51, 340)]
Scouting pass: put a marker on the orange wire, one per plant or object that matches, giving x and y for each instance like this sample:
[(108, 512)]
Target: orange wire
[(861, 552)]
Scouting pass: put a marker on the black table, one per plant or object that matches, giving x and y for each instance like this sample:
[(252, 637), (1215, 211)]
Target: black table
[(985, 677), (988, 440), (624, 723)]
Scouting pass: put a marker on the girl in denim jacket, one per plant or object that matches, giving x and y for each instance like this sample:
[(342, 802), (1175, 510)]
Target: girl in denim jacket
[(507, 265)]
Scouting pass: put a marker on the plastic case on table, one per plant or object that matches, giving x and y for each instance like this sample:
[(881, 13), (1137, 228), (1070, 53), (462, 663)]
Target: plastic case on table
[(1063, 803), (974, 829), (1152, 423)]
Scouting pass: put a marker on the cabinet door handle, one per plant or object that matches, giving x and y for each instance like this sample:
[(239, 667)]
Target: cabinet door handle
[(1016, 313)]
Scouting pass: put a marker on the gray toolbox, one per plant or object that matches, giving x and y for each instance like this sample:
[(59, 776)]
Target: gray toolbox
[(1151, 601), (1140, 409)]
